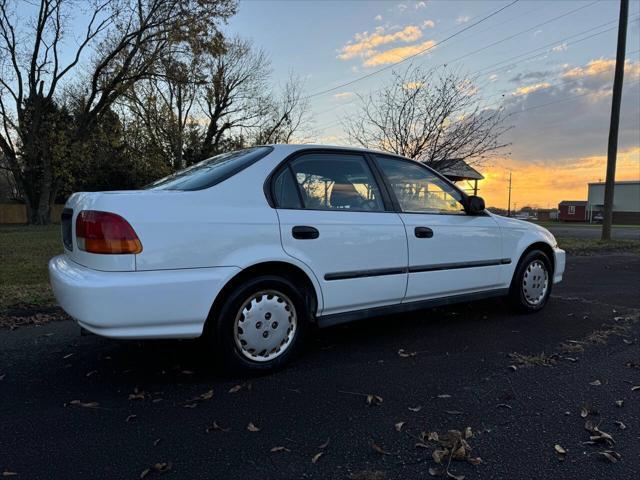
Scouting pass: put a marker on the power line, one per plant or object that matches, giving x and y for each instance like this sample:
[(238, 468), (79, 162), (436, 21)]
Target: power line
[(504, 40), (351, 82)]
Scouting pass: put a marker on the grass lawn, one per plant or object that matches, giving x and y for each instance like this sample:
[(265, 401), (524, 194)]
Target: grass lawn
[(590, 246), (24, 253)]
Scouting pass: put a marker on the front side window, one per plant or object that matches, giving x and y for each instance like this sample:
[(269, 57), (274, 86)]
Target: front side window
[(333, 182), (211, 171), (418, 190)]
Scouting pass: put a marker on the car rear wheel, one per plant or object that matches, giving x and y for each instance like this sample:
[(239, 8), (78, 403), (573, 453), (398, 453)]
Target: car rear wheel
[(531, 285), (261, 325)]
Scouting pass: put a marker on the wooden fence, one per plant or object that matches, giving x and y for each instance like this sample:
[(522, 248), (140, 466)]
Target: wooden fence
[(16, 213)]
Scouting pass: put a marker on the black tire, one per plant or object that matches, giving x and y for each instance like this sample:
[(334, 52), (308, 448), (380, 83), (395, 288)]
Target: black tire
[(518, 292), (224, 339)]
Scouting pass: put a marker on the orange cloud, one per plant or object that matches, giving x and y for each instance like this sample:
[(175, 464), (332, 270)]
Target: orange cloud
[(530, 89), (366, 43), (395, 55), (601, 66), (545, 185)]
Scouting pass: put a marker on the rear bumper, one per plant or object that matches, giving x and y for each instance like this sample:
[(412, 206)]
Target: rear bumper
[(147, 304), (559, 262)]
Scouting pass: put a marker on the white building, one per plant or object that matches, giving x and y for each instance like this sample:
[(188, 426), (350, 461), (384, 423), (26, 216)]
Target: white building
[(626, 202)]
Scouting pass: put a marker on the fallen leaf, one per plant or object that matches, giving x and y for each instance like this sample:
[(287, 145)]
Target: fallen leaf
[(619, 403), (404, 354), (415, 409), (377, 448), (454, 412), (207, 395), (635, 388), (584, 411), (399, 426), (215, 426), (324, 445), (559, 449), (162, 467), (92, 372), (130, 417), (145, 472), (504, 405), (156, 442), (279, 449), (620, 424), (84, 404), (68, 355), (438, 454), (2, 376), (316, 457), (444, 395), (9, 473), (190, 405), (235, 389), (187, 372), (137, 394), (610, 455), (475, 461), (435, 472), (421, 445), (433, 437), (252, 428), (628, 342), (596, 383), (513, 367), (468, 433), (373, 399)]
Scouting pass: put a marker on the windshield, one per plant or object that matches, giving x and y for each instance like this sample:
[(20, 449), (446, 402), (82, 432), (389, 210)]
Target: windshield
[(211, 171)]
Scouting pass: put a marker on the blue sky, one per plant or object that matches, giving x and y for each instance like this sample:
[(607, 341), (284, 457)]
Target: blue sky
[(333, 42)]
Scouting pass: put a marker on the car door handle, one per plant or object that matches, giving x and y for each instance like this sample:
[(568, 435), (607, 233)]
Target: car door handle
[(304, 232), (423, 232)]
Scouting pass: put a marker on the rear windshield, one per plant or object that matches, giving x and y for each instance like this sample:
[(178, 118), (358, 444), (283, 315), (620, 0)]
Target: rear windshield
[(211, 171)]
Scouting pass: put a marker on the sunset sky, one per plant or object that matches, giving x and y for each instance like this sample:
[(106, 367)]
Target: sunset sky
[(548, 63)]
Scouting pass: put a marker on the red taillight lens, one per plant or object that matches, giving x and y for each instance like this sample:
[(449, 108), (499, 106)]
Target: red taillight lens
[(104, 232)]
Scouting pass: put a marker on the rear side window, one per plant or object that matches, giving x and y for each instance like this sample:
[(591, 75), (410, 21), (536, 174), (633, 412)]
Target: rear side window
[(336, 182), (211, 171)]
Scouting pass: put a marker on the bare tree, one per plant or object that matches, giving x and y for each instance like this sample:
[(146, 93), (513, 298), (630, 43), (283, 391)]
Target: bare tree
[(127, 39), (288, 115), (236, 93), (434, 117)]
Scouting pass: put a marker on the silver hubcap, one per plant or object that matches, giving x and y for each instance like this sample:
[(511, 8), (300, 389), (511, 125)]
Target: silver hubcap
[(265, 325), (535, 282)]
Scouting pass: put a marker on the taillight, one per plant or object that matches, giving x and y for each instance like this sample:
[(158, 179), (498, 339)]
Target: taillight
[(104, 232)]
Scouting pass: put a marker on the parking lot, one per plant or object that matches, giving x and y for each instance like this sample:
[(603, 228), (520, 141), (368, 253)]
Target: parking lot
[(362, 403)]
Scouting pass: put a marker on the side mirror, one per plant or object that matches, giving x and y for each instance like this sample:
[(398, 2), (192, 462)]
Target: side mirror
[(475, 205)]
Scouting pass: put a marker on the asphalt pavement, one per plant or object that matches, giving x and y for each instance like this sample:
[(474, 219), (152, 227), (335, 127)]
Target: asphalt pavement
[(355, 405), (593, 231)]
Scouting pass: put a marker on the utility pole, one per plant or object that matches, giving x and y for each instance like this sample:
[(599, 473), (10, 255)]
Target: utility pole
[(509, 202), (612, 149)]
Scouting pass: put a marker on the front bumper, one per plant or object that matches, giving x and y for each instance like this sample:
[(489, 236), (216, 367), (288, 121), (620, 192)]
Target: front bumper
[(559, 262), (138, 304)]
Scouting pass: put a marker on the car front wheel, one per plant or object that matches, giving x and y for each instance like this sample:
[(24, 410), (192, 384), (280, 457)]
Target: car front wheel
[(532, 281), (261, 325)]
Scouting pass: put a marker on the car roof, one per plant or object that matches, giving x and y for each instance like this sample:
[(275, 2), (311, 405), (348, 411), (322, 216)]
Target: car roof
[(290, 148)]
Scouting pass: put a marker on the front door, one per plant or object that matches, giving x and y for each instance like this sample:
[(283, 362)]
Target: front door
[(450, 252), (334, 219)]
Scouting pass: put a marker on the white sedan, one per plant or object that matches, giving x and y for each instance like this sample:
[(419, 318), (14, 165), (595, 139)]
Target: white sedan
[(251, 248)]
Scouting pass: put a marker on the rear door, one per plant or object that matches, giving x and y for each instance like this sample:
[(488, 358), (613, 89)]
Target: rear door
[(450, 252), (334, 218)]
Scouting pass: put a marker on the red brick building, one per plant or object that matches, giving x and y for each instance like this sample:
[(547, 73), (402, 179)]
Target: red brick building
[(572, 211)]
